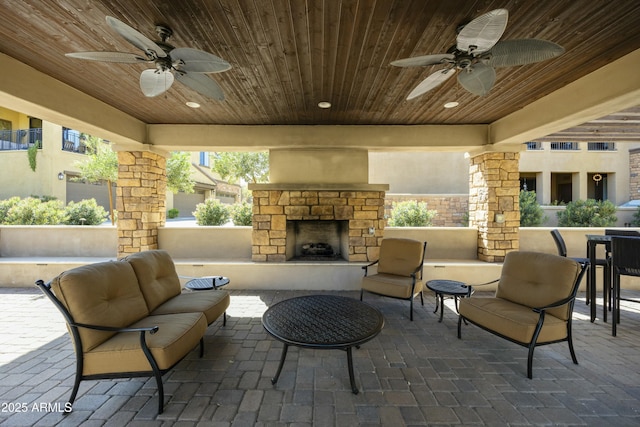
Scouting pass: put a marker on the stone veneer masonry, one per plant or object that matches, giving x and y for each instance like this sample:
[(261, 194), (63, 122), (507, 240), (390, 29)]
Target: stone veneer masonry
[(494, 187), (634, 174), (140, 201), (273, 208)]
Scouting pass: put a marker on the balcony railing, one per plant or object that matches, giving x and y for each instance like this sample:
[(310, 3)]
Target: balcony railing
[(565, 146), (602, 146), (20, 139), (532, 146)]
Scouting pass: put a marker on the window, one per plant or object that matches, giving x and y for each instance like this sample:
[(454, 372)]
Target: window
[(204, 158), (532, 145), (564, 146), (602, 146)]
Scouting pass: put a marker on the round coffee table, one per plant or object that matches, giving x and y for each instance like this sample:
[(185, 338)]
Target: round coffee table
[(322, 322), (448, 288)]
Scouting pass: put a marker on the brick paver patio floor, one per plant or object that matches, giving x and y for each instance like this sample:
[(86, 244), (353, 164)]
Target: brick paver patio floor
[(413, 373)]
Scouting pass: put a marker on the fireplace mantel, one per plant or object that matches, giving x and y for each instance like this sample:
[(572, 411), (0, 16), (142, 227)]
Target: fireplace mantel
[(319, 187)]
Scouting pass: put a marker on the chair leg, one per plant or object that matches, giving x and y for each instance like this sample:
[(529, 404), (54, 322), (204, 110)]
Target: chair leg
[(459, 326), (421, 298), (201, 347), (532, 347), (361, 292), (570, 340), (411, 309)]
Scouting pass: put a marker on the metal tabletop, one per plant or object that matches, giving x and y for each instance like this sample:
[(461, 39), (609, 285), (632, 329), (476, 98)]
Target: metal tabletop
[(452, 288), (207, 283), (322, 322)]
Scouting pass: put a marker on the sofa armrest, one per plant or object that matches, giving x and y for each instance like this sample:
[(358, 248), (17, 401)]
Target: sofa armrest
[(151, 329)]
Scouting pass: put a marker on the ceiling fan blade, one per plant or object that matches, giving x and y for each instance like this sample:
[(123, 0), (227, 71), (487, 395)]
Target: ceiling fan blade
[(134, 37), (478, 79), (431, 82), (154, 82), (423, 61), (202, 84), (510, 53), (483, 32), (198, 61), (122, 57)]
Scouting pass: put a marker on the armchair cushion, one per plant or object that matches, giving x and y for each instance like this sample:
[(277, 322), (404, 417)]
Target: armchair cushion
[(524, 282), (511, 320), (104, 294), (391, 285), (400, 257)]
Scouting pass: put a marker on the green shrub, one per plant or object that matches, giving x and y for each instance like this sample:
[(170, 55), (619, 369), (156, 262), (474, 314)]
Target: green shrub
[(635, 222), (589, 213), (241, 213), (32, 211), (211, 212), (173, 213), (411, 214), (531, 214), (84, 212), (5, 206)]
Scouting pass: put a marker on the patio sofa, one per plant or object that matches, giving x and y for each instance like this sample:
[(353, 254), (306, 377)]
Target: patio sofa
[(130, 317)]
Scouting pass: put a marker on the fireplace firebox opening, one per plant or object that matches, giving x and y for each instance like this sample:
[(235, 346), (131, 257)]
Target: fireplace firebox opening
[(317, 240)]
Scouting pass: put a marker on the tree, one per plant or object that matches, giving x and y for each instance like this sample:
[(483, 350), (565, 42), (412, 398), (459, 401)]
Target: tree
[(101, 165), (179, 172), (531, 214), (247, 166)]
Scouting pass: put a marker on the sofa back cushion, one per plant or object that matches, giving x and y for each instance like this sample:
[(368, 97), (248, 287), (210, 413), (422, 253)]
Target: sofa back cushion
[(537, 279), (400, 257), (157, 276), (104, 294)]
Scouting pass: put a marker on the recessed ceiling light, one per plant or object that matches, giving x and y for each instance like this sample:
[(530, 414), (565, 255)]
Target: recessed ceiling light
[(451, 104), (324, 104), (193, 104)]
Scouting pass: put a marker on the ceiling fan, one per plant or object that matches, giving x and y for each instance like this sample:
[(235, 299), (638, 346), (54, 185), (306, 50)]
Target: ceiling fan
[(476, 53), (186, 64)]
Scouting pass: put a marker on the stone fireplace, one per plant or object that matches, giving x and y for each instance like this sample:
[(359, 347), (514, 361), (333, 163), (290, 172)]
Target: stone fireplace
[(317, 198), (348, 217)]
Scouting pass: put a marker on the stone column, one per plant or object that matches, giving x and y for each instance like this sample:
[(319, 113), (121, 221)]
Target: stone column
[(140, 200), (494, 188), (634, 174)]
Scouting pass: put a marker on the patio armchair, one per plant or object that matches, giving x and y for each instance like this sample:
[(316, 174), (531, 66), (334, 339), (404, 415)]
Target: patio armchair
[(533, 303), (625, 261), (399, 271)]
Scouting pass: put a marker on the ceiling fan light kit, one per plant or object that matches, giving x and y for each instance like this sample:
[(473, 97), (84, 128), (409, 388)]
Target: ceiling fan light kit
[(478, 51), (186, 65)]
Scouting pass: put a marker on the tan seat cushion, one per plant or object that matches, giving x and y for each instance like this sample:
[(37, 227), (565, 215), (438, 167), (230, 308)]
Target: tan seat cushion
[(511, 320), (211, 303), (177, 335), (391, 285), (157, 276), (105, 294)]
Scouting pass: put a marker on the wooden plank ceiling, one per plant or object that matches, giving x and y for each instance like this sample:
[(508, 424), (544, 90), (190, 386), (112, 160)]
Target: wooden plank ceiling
[(289, 55)]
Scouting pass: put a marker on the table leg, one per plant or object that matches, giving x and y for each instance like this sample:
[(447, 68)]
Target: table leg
[(354, 389), (284, 356), (436, 310), (591, 283), (441, 307)]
